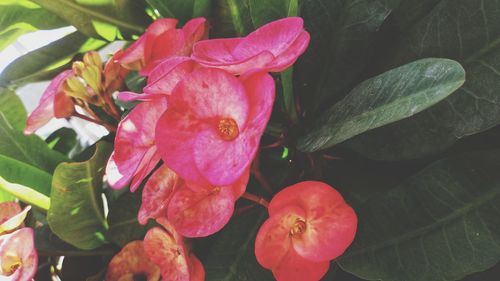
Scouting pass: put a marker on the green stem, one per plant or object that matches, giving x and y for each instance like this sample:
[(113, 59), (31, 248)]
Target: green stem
[(288, 97)]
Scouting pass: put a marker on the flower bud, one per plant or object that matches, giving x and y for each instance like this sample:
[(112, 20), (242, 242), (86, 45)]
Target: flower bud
[(92, 76), (73, 87), (92, 58), (78, 67)]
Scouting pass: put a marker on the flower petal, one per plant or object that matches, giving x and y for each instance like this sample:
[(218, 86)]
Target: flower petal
[(157, 194), (163, 79), (290, 55), (328, 218), (134, 138), (18, 255), (53, 103), (273, 240), (132, 261), (15, 220), (296, 268)]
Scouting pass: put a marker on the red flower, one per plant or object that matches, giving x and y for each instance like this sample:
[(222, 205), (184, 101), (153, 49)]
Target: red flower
[(166, 248), (213, 126), (161, 41), (11, 216), (18, 257), (135, 154), (272, 47), (54, 103), (309, 224)]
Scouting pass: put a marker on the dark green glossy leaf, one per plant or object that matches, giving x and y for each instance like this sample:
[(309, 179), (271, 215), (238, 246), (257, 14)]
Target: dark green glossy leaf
[(389, 97), (122, 219), (46, 62), (342, 35), (28, 149), (464, 30), (21, 173), (441, 224), (22, 16), (231, 18), (100, 19), (231, 255), (76, 212), (183, 10), (64, 140), (12, 109)]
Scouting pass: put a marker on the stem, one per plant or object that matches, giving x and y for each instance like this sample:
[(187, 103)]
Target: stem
[(86, 118), (255, 169), (256, 199), (288, 97)]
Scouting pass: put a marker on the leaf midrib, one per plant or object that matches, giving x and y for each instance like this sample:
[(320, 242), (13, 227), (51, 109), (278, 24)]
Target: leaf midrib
[(456, 214)]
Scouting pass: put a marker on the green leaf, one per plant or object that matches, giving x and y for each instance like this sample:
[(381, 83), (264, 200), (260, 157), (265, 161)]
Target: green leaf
[(231, 255), (22, 16), (64, 140), (389, 97), (76, 213), (12, 109), (122, 219), (231, 18), (100, 19), (183, 10), (342, 35), (441, 224), (21, 173), (28, 149), (464, 30), (265, 11), (26, 194), (47, 61)]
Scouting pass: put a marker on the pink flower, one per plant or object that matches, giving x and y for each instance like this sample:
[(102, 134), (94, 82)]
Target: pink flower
[(135, 154), (272, 47), (18, 257), (54, 103), (166, 248), (132, 261), (11, 216), (194, 210), (309, 225), (161, 41), (213, 126)]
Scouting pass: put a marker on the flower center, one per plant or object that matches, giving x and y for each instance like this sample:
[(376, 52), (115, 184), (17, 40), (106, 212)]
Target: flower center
[(298, 228), (215, 190), (10, 264), (228, 129)]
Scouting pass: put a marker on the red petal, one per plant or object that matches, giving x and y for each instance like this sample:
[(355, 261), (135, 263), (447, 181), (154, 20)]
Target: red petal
[(328, 218), (196, 269), (290, 55), (19, 245), (157, 194), (147, 164), (53, 103), (194, 30), (273, 240), (8, 210), (131, 261), (134, 138), (163, 46), (295, 268)]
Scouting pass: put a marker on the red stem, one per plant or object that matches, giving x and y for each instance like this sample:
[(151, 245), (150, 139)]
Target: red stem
[(255, 169), (255, 198)]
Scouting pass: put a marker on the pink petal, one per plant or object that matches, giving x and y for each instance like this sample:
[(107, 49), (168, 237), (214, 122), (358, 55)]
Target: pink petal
[(196, 269), (148, 163), (194, 30), (296, 268), (157, 194), (133, 57), (290, 55), (132, 261), (131, 97), (198, 102), (163, 46), (14, 221), (8, 210), (273, 240), (18, 248), (134, 138), (53, 103), (203, 212), (164, 251), (163, 79), (328, 218)]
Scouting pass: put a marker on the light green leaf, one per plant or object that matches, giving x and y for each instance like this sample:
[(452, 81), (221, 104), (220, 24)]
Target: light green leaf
[(389, 97), (47, 61), (464, 30), (439, 225), (22, 16), (122, 16), (25, 194), (21, 173), (76, 213), (28, 149), (12, 109)]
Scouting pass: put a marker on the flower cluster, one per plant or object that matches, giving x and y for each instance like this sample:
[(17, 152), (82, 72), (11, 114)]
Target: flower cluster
[(18, 257), (190, 141)]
